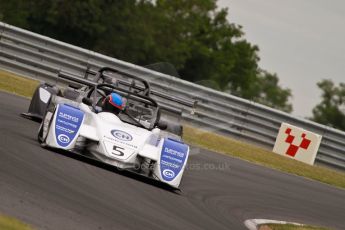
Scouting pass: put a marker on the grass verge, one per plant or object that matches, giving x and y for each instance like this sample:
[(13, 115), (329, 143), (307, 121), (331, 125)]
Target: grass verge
[(25, 87), (9, 223), (17, 85), (289, 227), (257, 155)]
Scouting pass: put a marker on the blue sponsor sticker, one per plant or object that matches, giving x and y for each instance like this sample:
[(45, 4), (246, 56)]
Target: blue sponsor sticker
[(67, 124), (173, 157)]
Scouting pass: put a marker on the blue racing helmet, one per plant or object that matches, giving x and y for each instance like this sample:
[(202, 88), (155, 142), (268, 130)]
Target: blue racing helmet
[(113, 103)]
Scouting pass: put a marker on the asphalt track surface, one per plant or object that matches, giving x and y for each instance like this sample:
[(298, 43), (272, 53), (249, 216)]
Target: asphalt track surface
[(51, 190)]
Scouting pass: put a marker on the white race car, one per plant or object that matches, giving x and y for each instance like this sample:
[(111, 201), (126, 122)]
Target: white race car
[(136, 139)]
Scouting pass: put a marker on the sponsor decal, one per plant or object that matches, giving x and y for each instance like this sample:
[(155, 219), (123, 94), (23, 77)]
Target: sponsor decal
[(63, 138), (168, 173), (121, 135), (68, 117), (67, 124), (122, 142), (64, 129), (173, 157)]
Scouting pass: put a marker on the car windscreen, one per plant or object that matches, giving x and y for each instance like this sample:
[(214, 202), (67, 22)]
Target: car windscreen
[(139, 113)]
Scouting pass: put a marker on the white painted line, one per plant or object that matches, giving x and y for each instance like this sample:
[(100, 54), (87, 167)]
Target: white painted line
[(253, 224)]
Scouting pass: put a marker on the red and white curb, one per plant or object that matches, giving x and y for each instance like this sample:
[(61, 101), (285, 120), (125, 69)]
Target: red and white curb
[(253, 224)]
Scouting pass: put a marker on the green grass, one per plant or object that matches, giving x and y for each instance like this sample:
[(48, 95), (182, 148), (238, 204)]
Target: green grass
[(261, 156), (289, 227), (9, 223), (25, 87), (17, 85)]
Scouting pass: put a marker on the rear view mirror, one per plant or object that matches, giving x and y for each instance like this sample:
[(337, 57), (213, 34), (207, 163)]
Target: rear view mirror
[(87, 101)]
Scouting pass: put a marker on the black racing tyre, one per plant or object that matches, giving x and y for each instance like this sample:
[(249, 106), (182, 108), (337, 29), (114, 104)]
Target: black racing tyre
[(42, 139), (40, 133)]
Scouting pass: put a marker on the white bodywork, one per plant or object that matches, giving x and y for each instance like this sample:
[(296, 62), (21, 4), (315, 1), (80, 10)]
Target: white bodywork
[(116, 143)]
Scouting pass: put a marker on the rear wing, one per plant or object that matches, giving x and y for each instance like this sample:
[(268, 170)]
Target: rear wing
[(166, 102)]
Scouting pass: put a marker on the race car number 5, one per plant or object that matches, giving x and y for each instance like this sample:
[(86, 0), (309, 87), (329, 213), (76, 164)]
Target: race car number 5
[(117, 151)]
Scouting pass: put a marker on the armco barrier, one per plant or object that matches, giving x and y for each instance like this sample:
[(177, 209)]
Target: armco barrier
[(42, 58)]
